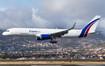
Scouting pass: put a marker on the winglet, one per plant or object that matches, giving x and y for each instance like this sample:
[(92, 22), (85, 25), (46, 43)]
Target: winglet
[(72, 26)]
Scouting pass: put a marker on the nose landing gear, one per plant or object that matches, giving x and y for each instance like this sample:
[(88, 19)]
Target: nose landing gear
[(14, 40)]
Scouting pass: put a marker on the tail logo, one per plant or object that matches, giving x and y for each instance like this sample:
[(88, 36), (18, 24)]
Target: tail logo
[(87, 28)]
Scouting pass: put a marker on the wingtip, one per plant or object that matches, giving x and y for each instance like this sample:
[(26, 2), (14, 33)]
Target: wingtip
[(74, 25)]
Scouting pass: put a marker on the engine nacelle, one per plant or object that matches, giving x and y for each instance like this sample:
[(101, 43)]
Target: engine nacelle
[(43, 37)]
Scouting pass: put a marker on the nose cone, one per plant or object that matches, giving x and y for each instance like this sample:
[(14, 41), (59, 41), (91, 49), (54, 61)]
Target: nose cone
[(4, 34)]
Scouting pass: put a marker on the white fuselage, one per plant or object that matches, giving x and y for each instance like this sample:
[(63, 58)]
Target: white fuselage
[(35, 32)]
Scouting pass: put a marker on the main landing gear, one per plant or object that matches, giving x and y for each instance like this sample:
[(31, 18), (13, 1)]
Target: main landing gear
[(53, 40)]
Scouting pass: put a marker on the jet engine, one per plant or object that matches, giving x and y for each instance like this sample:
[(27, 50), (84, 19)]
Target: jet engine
[(43, 37)]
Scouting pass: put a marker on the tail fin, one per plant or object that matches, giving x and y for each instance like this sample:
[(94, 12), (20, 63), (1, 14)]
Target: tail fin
[(90, 27)]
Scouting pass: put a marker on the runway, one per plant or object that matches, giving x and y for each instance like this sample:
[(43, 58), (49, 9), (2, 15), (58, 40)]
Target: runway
[(40, 65), (52, 65), (92, 60)]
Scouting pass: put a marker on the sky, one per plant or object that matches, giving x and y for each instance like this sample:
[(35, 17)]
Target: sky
[(50, 13)]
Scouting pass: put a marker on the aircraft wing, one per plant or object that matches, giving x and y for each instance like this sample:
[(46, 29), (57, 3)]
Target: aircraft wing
[(59, 34)]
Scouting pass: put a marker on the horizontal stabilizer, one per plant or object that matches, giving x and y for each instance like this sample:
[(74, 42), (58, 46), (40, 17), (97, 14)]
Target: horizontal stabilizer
[(95, 32)]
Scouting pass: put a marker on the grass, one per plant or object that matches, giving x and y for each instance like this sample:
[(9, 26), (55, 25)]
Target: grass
[(51, 62)]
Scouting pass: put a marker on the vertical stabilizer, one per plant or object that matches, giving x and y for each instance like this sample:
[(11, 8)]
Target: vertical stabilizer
[(90, 27)]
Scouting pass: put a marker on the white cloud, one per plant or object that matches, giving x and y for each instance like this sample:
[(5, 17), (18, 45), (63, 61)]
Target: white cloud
[(74, 8), (38, 21), (55, 5), (3, 9)]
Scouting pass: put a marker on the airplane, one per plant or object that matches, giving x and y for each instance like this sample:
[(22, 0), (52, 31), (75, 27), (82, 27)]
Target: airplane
[(44, 34)]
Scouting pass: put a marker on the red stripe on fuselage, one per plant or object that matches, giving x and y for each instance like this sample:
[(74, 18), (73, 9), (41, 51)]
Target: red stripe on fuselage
[(88, 29)]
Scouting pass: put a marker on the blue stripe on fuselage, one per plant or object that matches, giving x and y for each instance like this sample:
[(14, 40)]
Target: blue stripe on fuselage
[(84, 30)]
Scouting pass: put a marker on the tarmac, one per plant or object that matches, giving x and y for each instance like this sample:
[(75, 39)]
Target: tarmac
[(52, 65), (92, 60), (41, 65), (45, 65)]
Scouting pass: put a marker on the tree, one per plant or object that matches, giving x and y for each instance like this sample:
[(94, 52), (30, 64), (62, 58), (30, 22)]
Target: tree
[(3, 57)]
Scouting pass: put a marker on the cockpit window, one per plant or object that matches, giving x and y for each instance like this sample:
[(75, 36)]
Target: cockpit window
[(7, 30)]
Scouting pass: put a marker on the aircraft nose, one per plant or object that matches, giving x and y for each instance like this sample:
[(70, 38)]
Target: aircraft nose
[(4, 33)]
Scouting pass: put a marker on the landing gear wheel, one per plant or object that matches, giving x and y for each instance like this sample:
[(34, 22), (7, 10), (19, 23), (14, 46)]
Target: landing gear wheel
[(14, 41), (53, 41)]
